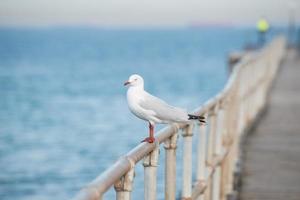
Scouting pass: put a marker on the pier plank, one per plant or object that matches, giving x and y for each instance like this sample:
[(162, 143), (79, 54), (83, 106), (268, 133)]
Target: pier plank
[(271, 163)]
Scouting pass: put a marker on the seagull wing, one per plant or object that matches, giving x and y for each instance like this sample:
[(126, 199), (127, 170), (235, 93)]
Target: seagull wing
[(162, 110)]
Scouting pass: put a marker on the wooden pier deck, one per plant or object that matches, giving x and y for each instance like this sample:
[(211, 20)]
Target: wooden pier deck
[(271, 161)]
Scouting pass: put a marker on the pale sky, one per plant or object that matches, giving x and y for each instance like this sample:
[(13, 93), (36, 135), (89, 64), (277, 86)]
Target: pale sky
[(114, 13)]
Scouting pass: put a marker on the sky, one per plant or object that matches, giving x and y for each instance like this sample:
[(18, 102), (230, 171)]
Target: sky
[(145, 13)]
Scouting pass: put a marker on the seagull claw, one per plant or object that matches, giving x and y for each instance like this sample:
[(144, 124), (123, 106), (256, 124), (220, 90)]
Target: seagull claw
[(149, 140)]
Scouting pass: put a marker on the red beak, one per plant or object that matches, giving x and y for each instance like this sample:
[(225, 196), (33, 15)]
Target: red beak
[(126, 83)]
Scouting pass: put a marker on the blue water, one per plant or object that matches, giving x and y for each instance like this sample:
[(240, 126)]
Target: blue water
[(63, 112)]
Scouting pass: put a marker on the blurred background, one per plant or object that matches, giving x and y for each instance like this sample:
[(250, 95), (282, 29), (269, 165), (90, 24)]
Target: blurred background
[(63, 111)]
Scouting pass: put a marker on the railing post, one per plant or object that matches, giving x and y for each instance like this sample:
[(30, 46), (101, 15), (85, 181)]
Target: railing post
[(233, 112), (187, 163), (210, 148), (170, 167), (150, 171), (201, 155), (234, 137), (225, 144), (123, 187), (218, 151)]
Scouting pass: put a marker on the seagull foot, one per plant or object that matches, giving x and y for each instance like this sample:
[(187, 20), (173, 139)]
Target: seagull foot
[(149, 139)]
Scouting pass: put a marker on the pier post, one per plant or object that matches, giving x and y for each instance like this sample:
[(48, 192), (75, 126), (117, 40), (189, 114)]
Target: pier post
[(150, 174), (170, 167), (218, 150), (210, 149), (201, 155), (187, 163)]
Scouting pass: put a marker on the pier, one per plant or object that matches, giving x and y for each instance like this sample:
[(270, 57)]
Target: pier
[(230, 115), (271, 161)]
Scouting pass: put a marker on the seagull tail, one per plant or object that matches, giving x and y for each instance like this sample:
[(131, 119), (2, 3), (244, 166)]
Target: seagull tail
[(195, 117)]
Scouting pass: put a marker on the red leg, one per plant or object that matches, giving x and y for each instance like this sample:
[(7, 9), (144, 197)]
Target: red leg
[(151, 131), (151, 138)]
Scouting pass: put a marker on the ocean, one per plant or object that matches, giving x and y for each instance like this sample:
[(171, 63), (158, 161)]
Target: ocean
[(63, 112)]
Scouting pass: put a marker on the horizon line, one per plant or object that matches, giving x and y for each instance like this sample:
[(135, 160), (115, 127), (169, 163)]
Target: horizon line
[(139, 26)]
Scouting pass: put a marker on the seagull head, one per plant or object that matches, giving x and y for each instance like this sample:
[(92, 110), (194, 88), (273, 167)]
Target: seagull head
[(134, 80)]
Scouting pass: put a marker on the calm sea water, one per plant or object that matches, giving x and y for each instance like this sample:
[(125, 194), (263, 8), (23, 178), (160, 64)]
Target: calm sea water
[(63, 112)]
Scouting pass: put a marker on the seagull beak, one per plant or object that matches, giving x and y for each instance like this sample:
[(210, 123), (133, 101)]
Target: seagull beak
[(126, 83)]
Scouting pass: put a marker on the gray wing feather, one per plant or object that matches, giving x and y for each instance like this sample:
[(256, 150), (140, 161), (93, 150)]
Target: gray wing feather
[(163, 111)]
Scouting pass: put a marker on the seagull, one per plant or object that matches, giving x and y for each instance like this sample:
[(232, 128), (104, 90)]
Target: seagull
[(152, 109)]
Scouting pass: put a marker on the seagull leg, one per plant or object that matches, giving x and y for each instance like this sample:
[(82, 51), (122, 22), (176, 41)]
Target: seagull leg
[(151, 138), (151, 128)]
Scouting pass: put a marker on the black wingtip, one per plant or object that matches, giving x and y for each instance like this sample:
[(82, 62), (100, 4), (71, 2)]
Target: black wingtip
[(200, 120), (195, 117)]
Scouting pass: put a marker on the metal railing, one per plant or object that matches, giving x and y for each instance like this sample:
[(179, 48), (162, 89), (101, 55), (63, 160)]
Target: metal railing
[(228, 115)]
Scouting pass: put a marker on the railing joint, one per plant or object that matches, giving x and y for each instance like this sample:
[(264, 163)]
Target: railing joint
[(209, 164), (186, 198), (227, 141), (151, 160), (125, 183), (200, 183), (188, 132), (212, 112), (171, 143)]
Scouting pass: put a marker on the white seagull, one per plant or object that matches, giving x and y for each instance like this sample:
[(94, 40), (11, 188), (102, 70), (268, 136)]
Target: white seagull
[(152, 109)]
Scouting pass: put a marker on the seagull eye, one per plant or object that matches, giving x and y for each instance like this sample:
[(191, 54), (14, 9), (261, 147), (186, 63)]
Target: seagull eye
[(135, 79)]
